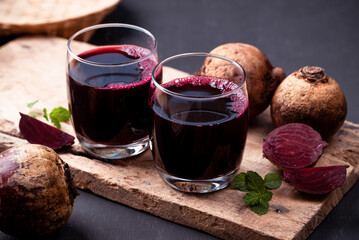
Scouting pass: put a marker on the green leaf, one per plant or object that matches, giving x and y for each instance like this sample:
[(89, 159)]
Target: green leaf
[(58, 115), (240, 182), (251, 198), (265, 196), (62, 114), (257, 197), (272, 181), (45, 114), (55, 122), (254, 182), (30, 105), (260, 208), (32, 115)]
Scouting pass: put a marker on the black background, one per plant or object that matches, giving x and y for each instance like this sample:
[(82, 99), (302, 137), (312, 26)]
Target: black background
[(292, 34)]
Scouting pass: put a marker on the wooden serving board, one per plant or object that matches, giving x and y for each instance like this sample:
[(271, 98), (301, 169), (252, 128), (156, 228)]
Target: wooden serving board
[(34, 69)]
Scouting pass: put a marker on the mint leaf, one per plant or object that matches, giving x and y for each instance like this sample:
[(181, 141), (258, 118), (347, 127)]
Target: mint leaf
[(239, 182), (254, 182), (260, 208), (58, 115), (251, 198), (265, 196), (30, 105), (55, 122), (272, 181), (62, 114), (258, 196), (45, 114)]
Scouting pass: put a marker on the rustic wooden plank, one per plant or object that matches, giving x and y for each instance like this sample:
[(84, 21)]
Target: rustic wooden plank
[(28, 73)]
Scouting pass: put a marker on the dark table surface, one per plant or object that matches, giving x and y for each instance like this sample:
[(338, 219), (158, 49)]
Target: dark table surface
[(292, 34)]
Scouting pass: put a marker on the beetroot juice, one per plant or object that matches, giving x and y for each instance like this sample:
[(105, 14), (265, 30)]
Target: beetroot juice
[(194, 138), (109, 105)]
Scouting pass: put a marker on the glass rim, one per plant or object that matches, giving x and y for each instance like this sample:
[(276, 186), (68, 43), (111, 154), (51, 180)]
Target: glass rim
[(202, 54), (111, 25)]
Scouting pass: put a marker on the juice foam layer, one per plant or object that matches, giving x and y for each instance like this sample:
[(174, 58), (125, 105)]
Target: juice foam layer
[(238, 98), (123, 55)]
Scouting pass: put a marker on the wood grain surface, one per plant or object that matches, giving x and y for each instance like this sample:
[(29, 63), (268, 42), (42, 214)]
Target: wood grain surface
[(34, 69), (55, 17)]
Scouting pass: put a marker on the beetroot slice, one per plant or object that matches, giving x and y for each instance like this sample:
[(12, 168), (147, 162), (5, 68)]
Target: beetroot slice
[(37, 132), (293, 146), (316, 180)]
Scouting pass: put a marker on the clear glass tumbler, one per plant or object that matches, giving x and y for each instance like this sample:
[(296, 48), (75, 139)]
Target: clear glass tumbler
[(108, 83), (199, 122)]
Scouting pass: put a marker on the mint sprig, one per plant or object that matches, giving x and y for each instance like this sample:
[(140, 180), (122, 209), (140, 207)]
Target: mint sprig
[(56, 116), (45, 114), (30, 105), (257, 196)]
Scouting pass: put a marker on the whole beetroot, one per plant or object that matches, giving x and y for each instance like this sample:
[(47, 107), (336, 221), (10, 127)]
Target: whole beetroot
[(262, 79), (36, 191), (310, 96)]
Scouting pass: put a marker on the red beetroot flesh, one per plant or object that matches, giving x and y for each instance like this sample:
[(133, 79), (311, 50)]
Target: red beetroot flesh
[(317, 180), (293, 146), (37, 132)]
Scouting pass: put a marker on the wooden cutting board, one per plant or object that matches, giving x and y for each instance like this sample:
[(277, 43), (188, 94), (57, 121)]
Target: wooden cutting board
[(34, 69)]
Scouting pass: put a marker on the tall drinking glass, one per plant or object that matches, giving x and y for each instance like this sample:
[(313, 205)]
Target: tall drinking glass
[(199, 122), (108, 82)]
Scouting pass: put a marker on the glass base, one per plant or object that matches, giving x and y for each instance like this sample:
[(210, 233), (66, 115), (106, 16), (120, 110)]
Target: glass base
[(103, 151), (198, 186)]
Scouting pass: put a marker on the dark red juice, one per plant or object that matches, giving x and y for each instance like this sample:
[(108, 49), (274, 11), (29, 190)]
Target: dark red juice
[(199, 139), (109, 104)]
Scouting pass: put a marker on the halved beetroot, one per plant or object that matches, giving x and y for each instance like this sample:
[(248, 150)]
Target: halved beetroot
[(316, 180), (293, 146), (37, 132)]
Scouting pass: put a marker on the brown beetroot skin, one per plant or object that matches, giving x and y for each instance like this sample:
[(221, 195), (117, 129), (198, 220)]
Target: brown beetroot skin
[(317, 180), (310, 96), (36, 191), (261, 77)]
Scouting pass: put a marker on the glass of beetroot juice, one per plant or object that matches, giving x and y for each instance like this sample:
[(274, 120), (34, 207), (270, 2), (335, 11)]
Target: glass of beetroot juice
[(108, 83), (199, 122)]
